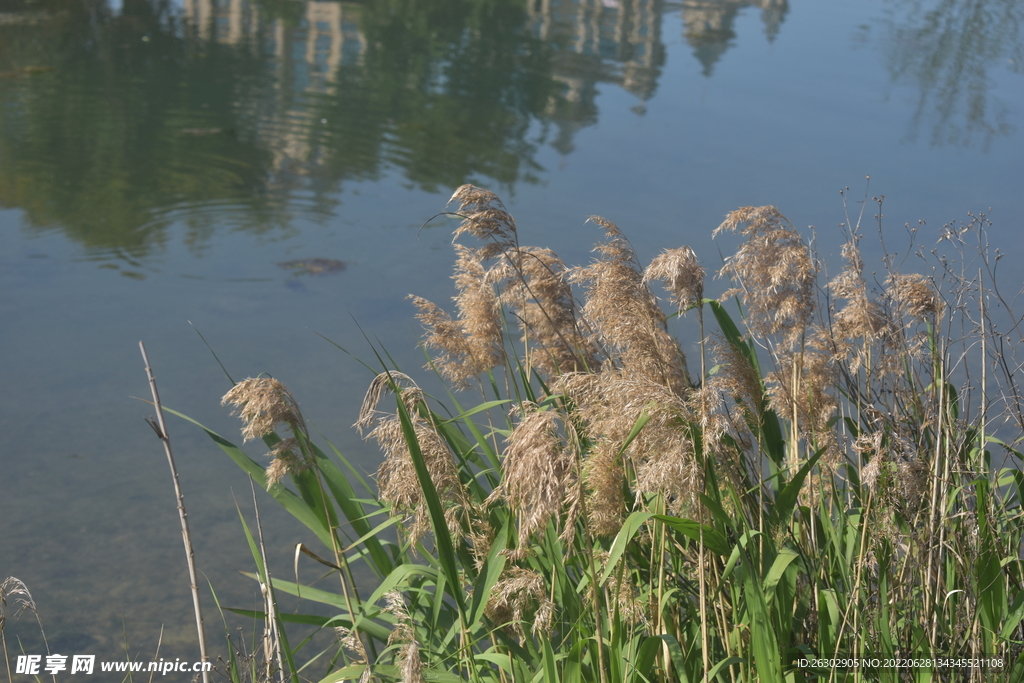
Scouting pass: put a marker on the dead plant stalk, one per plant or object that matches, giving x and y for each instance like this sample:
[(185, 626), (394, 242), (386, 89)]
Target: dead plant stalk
[(160, 427)]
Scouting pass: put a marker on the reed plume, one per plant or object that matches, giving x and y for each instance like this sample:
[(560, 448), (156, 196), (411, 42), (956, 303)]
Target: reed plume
[(520, 597), (625, 315), (404, 635), (682, 275), (916, 296), (484, 217), (535, 285), (472, 344), (263, 403), (397, 481), (773, 271), (538, 473), (860, 331)]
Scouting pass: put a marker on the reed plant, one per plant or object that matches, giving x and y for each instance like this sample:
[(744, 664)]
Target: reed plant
[(826, 482)]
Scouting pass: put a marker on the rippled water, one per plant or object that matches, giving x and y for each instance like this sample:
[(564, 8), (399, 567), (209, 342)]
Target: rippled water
[(158, 160)]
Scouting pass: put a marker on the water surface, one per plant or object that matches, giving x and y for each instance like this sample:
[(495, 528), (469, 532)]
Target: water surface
[(158, 160)]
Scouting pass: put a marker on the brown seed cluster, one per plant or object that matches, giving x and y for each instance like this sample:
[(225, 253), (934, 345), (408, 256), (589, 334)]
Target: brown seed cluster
[(397, 480), (625, 315), (263, 403), (774, 272)]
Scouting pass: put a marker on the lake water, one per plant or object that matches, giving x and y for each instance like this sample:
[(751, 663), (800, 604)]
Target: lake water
[(158, 160)]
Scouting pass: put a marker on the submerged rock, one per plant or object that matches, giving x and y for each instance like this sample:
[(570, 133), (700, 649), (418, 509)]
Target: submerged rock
[(313, 266)]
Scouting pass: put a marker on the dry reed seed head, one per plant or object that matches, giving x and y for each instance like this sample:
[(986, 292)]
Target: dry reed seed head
[(397, 481), (536, 287), (517, 593), (736, 377), (896, 473), (349, 640), (682, 275), (480, 536), (479, 311), (850, 282), (610, 405), (625, 314), (284, 461), (263, 403), (860, 317), (604, 478), (916, 296), (443, 336), (13, 587), (774, 272), (631, 605), (381, 384), (485, 217), (662, 452), (800, 385), (913, 478), (394, 604), (670, 468), (708, 404), (538, 472), (861, 329), (409, 662)]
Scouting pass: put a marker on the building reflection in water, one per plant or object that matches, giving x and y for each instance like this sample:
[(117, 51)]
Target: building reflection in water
[(588, 42), (269, 106), (708, 25), (594, 41)]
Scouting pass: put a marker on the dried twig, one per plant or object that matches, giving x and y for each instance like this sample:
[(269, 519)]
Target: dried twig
[(160, 427)]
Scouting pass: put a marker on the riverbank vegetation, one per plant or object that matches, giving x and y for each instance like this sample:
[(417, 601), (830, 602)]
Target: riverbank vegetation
[(833, 472)]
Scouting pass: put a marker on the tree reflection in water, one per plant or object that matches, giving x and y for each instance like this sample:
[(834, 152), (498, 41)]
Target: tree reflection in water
[(115, 123), (950, 50)]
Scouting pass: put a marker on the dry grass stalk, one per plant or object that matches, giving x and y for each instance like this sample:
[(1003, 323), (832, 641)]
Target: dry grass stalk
[(160, 427), (397, 481), (517, 593), (621, 308), (535, 285), (485, 217), (774, 272), (539, 472), (272, 657), (263, 403), (682, 274)]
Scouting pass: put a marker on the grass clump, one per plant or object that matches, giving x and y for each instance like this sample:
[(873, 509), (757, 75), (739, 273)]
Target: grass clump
[(824, 488)]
